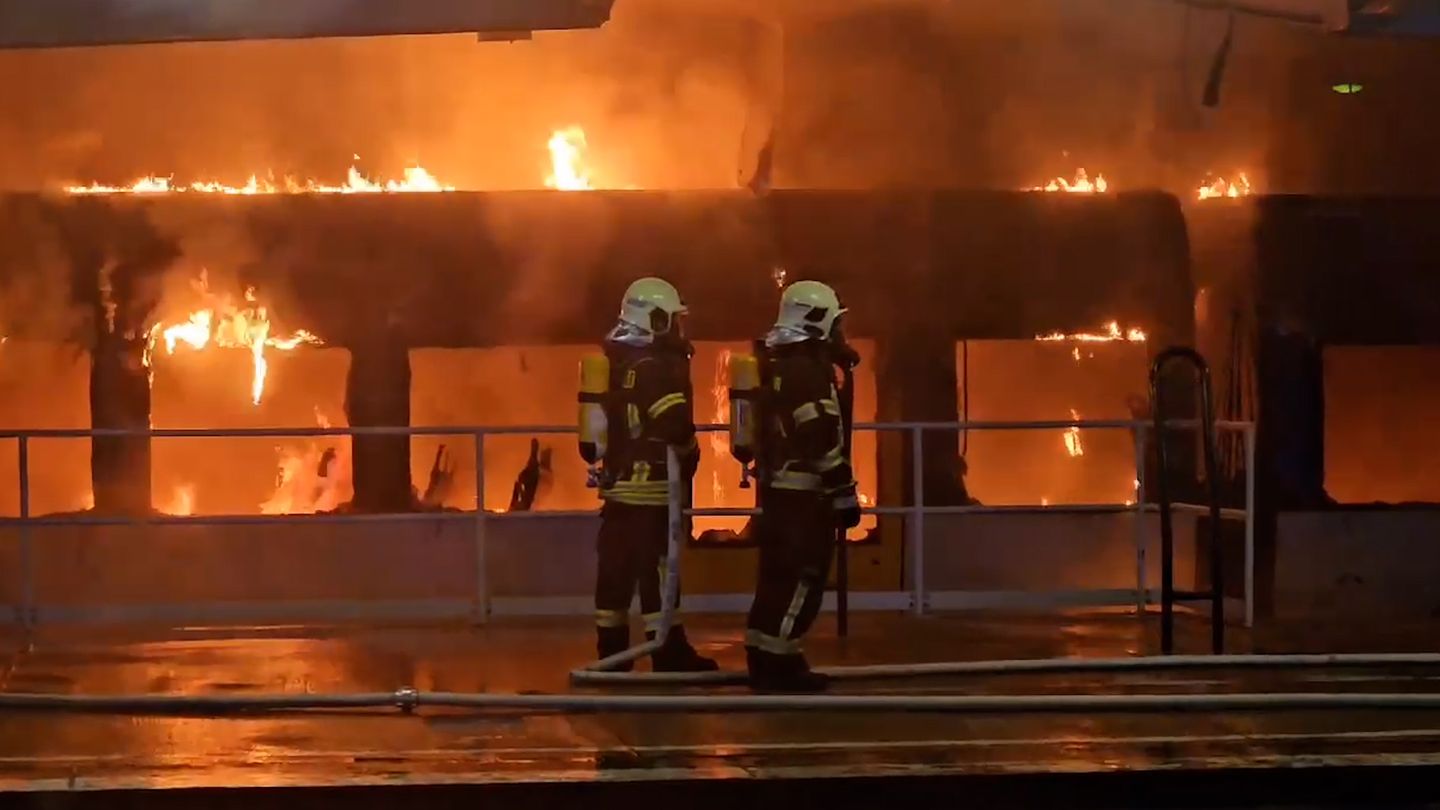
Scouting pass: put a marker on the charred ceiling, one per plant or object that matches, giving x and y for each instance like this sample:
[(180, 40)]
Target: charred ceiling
[(72, 23)]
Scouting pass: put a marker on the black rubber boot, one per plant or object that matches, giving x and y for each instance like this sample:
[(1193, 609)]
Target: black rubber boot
[(676, 655), (789, 674), (612, 640)]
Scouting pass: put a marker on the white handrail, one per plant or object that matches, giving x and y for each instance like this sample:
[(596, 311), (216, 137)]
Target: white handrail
[(915, 512)]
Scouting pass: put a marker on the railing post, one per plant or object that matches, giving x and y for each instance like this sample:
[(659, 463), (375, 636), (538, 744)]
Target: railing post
[(842, 583), (27, 558), (482, 575), (1216, 593), (1142, 593), (1249, 436), (917, 521)]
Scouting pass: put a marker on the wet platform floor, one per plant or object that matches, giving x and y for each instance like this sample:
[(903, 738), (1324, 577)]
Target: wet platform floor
[(73, 754)]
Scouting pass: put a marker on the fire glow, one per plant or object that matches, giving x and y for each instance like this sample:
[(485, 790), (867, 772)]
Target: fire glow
[(311, 478), (1111, 333), (720, 440), (1073, 445), (228, 326), (416, 179), (1082, 184), (182, 502), (1215, 188), (567, 160)]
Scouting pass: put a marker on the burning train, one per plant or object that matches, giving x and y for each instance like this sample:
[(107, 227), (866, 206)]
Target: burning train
[(992, 280)]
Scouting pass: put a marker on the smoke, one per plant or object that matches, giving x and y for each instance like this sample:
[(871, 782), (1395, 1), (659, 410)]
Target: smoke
[(662, 95), (684, 94)]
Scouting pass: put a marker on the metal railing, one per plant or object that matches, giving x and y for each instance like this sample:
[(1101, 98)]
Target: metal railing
[(917, 599), (1168, 593)]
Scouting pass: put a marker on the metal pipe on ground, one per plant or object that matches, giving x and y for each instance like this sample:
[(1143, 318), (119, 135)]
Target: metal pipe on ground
[(1042, 666), (408, 700)]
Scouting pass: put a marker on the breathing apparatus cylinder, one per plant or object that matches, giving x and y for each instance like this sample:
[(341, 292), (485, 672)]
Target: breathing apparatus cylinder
[(744, 419), (594, 427)]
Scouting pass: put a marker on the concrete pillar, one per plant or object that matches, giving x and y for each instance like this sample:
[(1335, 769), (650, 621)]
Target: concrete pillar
[(377, 394), (120, 399), (916, 380)]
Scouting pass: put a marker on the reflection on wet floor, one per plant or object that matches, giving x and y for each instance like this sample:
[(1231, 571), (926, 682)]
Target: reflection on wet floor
[(536, 655)]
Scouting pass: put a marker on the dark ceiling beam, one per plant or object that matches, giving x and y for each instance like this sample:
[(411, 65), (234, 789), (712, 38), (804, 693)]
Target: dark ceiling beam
[(79, 23)]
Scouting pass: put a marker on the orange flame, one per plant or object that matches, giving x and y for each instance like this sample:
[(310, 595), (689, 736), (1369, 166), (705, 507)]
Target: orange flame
[(228, 327), (415, 179), (1073, 445), (311, 478), (1218, 188), (567, 160), (720, 440), (1082, 184), (182, 502), (1111, 333)]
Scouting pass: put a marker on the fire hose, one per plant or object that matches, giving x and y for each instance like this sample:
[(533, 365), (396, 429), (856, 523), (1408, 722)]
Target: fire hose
[(603, 671), (1039, 666)]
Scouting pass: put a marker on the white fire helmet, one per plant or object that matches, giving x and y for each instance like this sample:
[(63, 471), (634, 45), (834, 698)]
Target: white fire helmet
[(652, 304), (809, 307)]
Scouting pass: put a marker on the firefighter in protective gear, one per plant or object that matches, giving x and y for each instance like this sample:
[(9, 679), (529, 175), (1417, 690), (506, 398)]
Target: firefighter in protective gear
[(649, 408), (807, 488)]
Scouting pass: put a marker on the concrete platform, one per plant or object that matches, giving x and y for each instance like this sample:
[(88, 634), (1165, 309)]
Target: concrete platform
[(701, 759)]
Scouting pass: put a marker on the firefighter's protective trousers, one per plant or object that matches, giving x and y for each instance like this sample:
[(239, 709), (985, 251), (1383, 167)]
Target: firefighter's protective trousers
[(632, 556), (803, 465), (649, 409)]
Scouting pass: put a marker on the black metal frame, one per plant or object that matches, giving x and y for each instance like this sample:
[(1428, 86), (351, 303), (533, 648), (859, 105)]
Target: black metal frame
[(1168, 595)]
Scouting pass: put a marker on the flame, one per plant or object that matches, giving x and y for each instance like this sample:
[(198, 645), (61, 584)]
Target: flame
[(415, 179), (1073, 445), (720, 440), (182, 502), (228, 327), (1111, 333), (311, 478), (1217, 187), (567, 160), (1082, 184), (867, 522)]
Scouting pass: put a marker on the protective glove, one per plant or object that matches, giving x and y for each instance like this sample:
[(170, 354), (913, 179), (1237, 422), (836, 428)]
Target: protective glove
[(847, 507)]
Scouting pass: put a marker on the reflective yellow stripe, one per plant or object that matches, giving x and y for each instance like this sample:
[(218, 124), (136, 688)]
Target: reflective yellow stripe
[(632, 420), (649, 487), (830, 406), (638, 493), (831, 460), (652, 622), (611, 618), (635, 500), (771, 644), (806, 413), (665, 403), (787, 624), (795, 480)]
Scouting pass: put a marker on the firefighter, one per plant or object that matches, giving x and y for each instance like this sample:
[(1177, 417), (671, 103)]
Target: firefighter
[(649, 408), (807, 488)]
